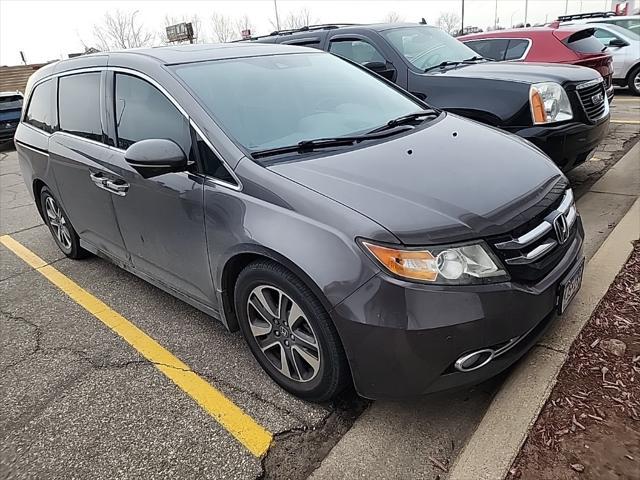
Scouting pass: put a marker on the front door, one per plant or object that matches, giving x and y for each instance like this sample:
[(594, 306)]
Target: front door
[(161, 218)]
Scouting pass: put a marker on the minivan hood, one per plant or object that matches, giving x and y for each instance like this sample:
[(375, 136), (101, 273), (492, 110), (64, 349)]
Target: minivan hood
[(452, 180), (521, 72)]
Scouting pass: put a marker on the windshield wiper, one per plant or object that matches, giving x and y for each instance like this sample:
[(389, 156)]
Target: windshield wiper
[(461, 62), (405, 119), (306, 146)]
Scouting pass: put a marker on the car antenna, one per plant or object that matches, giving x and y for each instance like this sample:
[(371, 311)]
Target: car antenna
[(423, 21)]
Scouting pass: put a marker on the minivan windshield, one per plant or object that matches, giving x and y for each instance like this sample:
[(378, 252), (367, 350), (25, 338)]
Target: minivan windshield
[(273, 101), (427, 47)]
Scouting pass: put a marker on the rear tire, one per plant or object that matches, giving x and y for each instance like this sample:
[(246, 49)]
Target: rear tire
[(289, 332), (60, 227), (634, 80)]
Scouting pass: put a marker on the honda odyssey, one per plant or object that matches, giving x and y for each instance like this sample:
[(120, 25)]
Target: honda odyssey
[(351, 232)]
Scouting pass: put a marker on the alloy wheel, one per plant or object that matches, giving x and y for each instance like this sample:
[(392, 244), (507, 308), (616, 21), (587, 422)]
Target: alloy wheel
[(58, 223), (283, 333), (636, 81)]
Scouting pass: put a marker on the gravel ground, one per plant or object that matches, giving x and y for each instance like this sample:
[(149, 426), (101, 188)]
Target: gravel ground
[(590, 426)]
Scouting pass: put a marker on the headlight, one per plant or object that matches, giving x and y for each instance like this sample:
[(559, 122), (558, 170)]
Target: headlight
[(460, 264), (549, 103)]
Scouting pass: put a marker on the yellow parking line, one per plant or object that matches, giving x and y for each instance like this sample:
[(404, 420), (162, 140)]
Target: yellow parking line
[(246, 430), (632, 122)]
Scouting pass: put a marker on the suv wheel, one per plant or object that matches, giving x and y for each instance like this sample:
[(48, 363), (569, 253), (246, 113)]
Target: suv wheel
[(634, 81), (61, 229), (289, 332)]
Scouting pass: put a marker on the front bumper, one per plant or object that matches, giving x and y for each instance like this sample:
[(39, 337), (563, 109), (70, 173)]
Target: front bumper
[(402, 339), (7, 131), (568, 144)]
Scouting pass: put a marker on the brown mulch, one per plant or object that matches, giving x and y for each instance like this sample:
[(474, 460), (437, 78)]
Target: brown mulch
[(590, 426)]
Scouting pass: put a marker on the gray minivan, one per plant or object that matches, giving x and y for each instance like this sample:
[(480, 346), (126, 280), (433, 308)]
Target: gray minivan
[(351, 232)]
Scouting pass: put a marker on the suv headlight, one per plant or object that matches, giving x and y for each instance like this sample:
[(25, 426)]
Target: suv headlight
[(455, 264), (549, 103)]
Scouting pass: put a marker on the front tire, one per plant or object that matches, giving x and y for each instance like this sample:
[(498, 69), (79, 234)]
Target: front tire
[(60, 227), (634, 80), (289, 332)]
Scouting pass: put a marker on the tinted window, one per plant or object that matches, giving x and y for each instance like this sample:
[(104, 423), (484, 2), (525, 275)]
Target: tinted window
[(39, 111), (357, 51), (79, 105), (516, 49), (10, 102), (304, 43), (492, 48), (279, 100), (584, 41), (211, 164), (143, 112)]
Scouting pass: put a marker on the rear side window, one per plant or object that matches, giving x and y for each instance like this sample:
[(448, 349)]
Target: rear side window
[(39, 110), (516, 49), (357, 51), (143, 112), (584, 41), (79, 105), (491, 48)]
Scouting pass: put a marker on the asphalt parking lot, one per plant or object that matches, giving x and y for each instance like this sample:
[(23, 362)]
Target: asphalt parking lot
[(83, 397)]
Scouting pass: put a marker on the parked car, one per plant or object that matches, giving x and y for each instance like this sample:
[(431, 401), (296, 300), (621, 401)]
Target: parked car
[(566, 45), (562, 109), (346, 228), (10, 109), (630, 22), (624, 46)]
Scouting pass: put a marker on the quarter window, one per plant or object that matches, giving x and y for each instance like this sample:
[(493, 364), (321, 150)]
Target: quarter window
[(39, 110), (79, 105), (516, 49), (143, 112), (493, 49), (357, 51)]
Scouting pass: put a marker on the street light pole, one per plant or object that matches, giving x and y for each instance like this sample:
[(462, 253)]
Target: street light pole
[(495, 17), (526, 11), (275, 7), (462, 21)]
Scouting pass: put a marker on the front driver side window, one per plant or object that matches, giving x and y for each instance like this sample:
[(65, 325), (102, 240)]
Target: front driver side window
[(357, 51)]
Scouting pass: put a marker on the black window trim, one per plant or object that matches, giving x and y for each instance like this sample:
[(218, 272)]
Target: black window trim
[(524, 55), (238, 186)]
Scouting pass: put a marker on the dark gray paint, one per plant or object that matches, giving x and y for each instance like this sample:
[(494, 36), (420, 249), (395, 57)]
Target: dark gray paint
[(181, 230)]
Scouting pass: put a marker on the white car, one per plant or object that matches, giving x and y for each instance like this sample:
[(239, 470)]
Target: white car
[(630, 22)]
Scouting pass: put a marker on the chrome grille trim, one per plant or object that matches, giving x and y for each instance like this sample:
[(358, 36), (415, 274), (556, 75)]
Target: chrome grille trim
[(529, 237), (586, 91), (534, 254), (541, 232)]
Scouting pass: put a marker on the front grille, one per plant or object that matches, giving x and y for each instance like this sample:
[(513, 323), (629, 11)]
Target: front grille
[(532, 250), (593, 98)]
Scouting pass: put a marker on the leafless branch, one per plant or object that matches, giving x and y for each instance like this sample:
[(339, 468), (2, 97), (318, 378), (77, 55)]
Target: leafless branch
[(221, 25), (122, 30)]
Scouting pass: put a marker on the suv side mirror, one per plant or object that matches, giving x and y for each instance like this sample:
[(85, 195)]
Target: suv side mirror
[(156, 156), (381, 68), (617, 42)]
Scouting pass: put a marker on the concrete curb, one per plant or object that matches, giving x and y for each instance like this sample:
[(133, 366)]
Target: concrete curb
[(498, 438)]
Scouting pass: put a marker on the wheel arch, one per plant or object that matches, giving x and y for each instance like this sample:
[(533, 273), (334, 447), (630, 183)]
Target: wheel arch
[(236, 261), (37, 186)]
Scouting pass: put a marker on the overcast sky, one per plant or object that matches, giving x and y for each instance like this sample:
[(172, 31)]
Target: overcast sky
[(47, 29)]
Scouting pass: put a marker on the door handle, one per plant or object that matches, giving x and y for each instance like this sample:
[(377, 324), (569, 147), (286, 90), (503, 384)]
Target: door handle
[(98, 178), (119, 187)]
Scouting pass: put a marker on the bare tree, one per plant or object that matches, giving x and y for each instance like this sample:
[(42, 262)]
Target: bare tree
[(295, 20), (196, 23), (393, 17), (121, 30), (223, 30), (449, 22), (243, 23)]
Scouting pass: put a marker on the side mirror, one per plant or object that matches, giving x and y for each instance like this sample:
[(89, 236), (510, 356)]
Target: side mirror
[(156, 156), (617, 42), (381, 68)]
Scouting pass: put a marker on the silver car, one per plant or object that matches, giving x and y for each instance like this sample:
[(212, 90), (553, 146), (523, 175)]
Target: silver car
[(624, 46)]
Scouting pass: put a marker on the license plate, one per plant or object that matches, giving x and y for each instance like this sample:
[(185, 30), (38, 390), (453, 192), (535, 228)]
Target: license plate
[(570, 286)]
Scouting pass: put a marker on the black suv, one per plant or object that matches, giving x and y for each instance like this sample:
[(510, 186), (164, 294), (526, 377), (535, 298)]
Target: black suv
[(561, 109)]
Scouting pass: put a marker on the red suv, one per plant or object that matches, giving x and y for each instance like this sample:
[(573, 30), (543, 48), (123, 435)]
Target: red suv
[(574, 45)]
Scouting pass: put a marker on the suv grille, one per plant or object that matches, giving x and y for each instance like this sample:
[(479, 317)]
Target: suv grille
[(532, 250), (593, 98)]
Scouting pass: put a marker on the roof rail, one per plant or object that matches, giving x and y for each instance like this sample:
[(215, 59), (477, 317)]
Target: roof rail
[(307, 28), (580, 16)]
